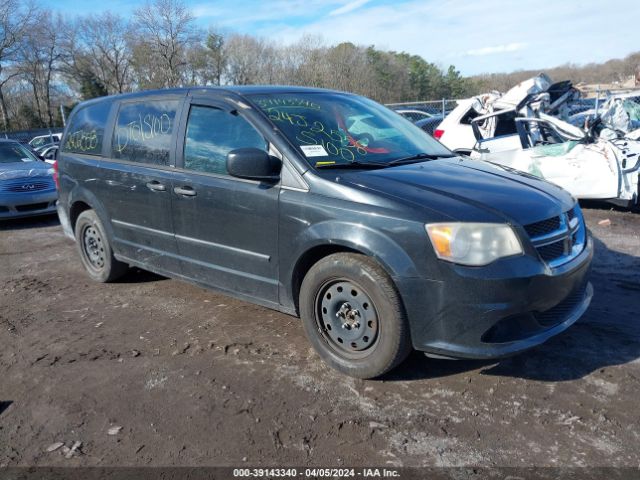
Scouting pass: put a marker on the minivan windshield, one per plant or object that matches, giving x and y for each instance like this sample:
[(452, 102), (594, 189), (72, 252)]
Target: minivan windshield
[(335, 130), (14, 153)]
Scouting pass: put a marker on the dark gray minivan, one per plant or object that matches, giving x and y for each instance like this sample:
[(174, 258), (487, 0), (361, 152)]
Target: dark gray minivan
[(329, 206)]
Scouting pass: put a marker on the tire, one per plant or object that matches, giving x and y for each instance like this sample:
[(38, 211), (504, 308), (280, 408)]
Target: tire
[(353, 315), (95, 251)]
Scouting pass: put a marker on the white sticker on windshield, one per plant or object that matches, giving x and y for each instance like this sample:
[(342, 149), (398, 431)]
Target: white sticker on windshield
[(314, 150)]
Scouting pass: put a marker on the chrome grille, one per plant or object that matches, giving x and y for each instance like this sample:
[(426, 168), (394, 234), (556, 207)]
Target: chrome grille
[(558, 239), (24, 185)]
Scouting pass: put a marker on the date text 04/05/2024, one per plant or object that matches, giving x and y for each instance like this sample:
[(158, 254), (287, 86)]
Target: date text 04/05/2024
[(316, 473)]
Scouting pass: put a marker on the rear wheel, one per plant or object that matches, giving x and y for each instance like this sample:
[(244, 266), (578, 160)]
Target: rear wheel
[(95, 251), (353, 316)]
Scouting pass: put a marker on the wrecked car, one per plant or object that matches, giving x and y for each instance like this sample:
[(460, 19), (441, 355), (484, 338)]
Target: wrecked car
[(538, 94), (584, 163), (523, 129)]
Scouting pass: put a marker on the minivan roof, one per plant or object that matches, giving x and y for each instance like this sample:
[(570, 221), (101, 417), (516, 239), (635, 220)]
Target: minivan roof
[(235, 89)]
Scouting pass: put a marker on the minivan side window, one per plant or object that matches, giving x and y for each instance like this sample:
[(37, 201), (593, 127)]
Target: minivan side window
[(86, 129), (211, 134), (143, 131)]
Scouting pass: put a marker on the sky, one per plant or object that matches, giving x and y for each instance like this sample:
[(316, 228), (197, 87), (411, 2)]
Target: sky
[(477, 36)]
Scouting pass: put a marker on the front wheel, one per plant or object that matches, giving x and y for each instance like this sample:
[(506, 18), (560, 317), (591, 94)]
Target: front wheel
[(95, 251), (353, 315)]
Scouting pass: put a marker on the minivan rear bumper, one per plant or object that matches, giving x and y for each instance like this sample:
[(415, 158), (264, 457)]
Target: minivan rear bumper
[(473, 315), (64, 221)]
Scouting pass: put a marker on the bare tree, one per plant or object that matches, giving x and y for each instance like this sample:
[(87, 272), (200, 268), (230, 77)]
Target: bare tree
[(164, 29), (38, 60), (205, 60), (249, 60), (15, 21), (107, 53)]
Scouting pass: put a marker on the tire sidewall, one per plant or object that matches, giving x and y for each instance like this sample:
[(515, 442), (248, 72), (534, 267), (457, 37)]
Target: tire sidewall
[(392, 334)]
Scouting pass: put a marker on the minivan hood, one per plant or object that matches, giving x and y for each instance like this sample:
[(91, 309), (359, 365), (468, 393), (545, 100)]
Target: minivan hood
[(467, 190)]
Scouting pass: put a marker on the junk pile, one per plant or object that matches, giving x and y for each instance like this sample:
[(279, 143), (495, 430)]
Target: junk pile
[(588, 147)]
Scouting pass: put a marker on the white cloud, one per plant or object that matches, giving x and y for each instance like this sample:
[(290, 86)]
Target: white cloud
[(349, 7), (508, 47), (478, 37), (205, 10), (248, 13)]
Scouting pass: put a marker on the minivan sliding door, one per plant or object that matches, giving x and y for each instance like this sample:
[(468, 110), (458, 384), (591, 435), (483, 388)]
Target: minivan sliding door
[(136, 184)]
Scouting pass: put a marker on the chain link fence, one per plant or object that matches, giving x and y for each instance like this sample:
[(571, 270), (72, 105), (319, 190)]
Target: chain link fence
[(416, 110), (24, 136), (427, 114)]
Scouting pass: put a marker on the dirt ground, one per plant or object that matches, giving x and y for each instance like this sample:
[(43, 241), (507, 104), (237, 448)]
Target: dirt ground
[(197, 378)]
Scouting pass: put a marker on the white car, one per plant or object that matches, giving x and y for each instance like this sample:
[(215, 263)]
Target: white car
[(455, 131), (49, 153), (41, 140), (495, 113), (514, 131), (588, 167)]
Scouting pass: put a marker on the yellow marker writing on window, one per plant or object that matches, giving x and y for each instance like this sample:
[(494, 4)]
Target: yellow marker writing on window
[(324, 163)]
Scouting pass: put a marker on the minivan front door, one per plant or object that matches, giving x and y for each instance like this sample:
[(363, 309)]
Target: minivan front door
[(226, 228)]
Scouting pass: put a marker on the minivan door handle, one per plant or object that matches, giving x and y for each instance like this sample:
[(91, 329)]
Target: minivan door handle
[(156, 186), (186, 191)]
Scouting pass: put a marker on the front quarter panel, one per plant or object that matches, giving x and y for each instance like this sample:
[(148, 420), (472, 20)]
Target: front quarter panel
[(308, 221)]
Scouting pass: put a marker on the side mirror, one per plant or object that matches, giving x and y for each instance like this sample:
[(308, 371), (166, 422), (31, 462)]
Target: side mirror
[(254, 164)]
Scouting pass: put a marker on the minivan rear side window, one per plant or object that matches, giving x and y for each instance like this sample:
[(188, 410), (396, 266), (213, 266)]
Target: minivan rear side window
[(86, 129), (143, 131)]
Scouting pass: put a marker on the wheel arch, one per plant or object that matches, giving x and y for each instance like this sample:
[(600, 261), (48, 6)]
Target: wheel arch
[(76, 209), (331, 238), (81, 200)]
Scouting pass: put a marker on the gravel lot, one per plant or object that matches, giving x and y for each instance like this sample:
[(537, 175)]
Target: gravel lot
[(198, 378)]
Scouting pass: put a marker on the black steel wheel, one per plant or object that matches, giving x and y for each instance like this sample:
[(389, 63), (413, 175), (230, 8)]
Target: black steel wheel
[(346, 317), (94, 248), (353, 315)]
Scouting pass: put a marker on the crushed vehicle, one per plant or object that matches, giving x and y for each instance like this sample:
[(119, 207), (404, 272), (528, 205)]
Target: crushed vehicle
[(533, 128), (621, 116)]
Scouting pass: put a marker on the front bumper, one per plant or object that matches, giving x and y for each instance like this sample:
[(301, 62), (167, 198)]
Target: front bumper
[(511, 307), (27, 204)]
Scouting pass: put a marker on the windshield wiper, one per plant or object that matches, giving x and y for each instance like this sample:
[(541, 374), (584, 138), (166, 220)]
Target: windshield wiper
[(419, 156), (353, 164)]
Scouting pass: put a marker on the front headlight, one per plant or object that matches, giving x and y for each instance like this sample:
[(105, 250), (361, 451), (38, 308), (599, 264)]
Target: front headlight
[(473, 243)]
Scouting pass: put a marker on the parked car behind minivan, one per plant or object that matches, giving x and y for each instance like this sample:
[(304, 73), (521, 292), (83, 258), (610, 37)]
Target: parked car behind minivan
[(26, 183), (45, 140), (381, 240)]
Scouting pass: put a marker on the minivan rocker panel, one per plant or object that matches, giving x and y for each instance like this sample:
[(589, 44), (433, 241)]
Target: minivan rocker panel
[(447, 255)]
